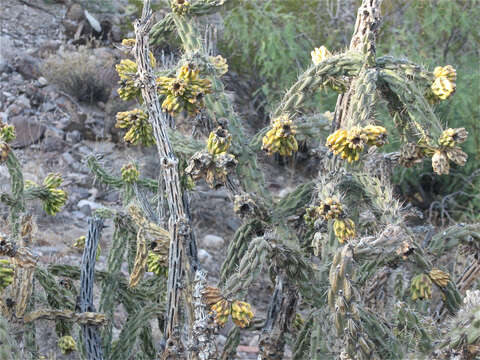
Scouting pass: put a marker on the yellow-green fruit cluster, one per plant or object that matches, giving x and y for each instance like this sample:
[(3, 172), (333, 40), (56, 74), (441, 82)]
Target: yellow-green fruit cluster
[(241, 313), (6, 273), (130, 173), (281, 137), (219, 63), (320, 54), (330, 208), (350, 143), (67, 344), (139, 128), (184, 92), (445, 81), (79, 244), (7, 132), (219, 141), (421, 287), (155, 263), (439, 277), (4, 151), (180, 7), (56, 198), (127, 71), (344, 229), (222, 310), (452, 137)]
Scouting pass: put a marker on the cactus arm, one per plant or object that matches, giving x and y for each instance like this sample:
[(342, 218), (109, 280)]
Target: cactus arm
[(17, 191), (91, 337), (280, 315)]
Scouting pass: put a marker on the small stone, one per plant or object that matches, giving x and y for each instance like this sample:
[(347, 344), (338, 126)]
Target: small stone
[(213, 241), (73, 136), (27, 66), (204, 256), (42, 82), (87, 206)]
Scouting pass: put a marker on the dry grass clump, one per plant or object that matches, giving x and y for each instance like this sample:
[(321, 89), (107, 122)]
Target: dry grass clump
[(82, 74)]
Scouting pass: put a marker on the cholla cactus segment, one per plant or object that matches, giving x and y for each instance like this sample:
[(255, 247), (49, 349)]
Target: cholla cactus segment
[(344, 229), (4, 151), (7, 132), (320, 54), (281, 137), (464, 334), (330, 208), (452, 137), (410, 154), (376, 135), (439, 277), (241, 313), (139, 128), (219, 141), (446, 71), (180, 7), (440, 163), (220, 64), (421, 287), (185, 91), (156, 263), (130, 173), (67, 344), (456, 155), (221, 311), (6, 273)]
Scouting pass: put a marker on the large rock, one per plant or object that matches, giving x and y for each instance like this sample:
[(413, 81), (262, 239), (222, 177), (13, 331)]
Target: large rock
[(213, 241), (28, 129)]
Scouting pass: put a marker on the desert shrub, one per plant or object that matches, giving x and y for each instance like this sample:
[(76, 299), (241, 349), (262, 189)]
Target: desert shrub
[(83, 75)]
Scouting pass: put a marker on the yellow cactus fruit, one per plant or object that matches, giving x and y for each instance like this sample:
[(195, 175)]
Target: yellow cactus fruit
[(443, 88), (446, 71), (221, 311), (130, 173), (241, 313), (7, 132), (439, 277), (128, 42), (52, 180), (4, 151), (376, 135), (54, 199), (155, 263), (440, 163), (6, 273), (139, 128), (331, 208), (79, 244), (320, 54), (456, 155), (421, 287), (183, 92), (452, 137), (180, 7), (67, 344), (344, 229), (337, 141), (219, 63), (219, 141), (281, 137), (356, 138)]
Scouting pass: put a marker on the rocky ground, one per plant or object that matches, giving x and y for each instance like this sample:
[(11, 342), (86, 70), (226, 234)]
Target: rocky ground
[(56, 131)]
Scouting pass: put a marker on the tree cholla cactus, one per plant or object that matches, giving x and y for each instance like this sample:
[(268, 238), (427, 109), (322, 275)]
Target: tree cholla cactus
[(339, 249)]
